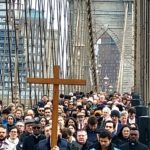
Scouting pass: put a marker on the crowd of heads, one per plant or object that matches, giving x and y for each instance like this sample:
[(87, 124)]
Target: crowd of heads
[(92, 117)]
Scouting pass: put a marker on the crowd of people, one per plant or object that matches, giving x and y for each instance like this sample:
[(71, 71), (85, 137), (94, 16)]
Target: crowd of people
[(86, 121)]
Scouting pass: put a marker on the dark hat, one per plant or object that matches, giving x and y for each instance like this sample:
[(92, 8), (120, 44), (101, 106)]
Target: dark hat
[(29, 121), (36, 124), (115, 113)]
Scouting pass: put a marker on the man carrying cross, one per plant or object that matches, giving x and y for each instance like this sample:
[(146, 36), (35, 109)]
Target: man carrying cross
[(56, 81), (61, 143)]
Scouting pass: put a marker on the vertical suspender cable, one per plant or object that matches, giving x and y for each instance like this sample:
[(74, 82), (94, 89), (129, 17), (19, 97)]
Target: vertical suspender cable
[(28, 59), (16, 52), (10, 62), (41, 41)]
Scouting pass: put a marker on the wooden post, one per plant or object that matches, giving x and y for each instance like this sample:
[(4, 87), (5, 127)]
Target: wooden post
[(56, 82)]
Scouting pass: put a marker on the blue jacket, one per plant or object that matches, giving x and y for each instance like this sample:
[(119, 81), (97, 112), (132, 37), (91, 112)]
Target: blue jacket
[(45, 144), (92, 135)]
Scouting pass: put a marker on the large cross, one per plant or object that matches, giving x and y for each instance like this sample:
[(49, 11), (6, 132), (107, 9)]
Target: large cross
[(56, 81)]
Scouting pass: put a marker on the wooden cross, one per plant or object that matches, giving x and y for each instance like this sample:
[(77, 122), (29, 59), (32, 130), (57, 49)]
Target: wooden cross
[(56, 81)]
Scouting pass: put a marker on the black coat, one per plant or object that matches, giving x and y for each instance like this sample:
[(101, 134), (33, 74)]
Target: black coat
[(133, 146), (21, 140), (87, 145), (31, 142)]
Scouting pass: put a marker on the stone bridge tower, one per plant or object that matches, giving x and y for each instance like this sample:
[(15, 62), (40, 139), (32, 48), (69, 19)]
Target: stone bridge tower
[(115, 18)]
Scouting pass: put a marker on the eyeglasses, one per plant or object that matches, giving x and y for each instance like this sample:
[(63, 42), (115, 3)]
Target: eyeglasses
[(108, 127), (41, 110), (36, 127)]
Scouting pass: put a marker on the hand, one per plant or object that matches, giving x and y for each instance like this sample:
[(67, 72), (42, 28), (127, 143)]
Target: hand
[(55, 148)]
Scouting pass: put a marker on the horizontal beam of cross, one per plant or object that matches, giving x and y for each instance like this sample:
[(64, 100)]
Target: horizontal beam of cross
[(56, 81)]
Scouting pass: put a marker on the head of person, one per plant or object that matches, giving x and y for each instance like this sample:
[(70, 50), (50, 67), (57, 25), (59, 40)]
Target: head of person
[(27, 118), (110, 126), (29, 125), (43, 122), (18, 113), (131, 113), (70, 105), (134, 135), (124, 132), (70, 121), (12, 108), (66, 134), (5, 113), (36, 128), (47, 130), (72, 128), (41, 111), (45, 98), (133, 125), (124, 117), (11, 119), (60, 109), (106, 112), (13, 133), (105, 139), (80, 117), (20, 126), (61, 121), (31, 113), (47, 112), (3, 133), (81, 136), (92, 123), (115, 115)]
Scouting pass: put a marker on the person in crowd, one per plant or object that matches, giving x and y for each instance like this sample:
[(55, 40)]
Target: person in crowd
[(28, 130), (20, 127), (72, 144), (134, 143), (43, 123), (61, 122), (4, 143), (73, 129), (47, 130), (31, 113), (11, 107), (124, 117), (47, 113), (82, 139), (110, 126), (81, 120), (62, 144), (131, 115), (43, 101), (5, 114), (70, 121), (115, 115), (133, 125), (19, 115), (13, 136), (40, 111), (10, 122), (31, 142), (123, 136), (104, 141), (106, 115), (91, 129)]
